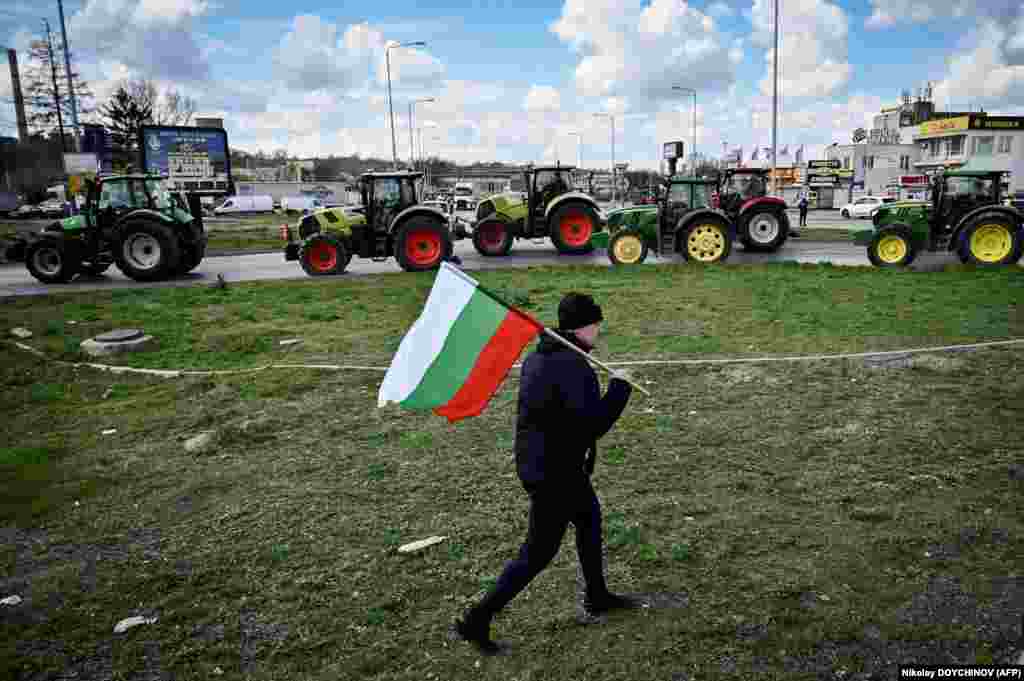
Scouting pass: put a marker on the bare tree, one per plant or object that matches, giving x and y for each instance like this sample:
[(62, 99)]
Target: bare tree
[(48, 106)]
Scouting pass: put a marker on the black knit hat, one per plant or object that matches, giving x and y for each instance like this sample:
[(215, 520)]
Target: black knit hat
[(578, 310)]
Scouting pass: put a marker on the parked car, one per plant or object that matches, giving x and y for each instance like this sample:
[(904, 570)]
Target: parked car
[(246, 204), (51, 208), (865, 206), (297, 204)]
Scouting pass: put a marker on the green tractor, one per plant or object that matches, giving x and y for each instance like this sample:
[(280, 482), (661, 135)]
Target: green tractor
[(389, 223), (965, 215), (549, 208), (131, 220), (685, 222)]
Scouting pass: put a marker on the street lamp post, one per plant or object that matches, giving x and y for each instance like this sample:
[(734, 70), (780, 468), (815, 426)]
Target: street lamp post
[(693, 146), (615, 188), (412, 111), (391, 110)]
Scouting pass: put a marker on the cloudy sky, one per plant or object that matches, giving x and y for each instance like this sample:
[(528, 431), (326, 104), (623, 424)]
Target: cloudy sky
[(512, 81)]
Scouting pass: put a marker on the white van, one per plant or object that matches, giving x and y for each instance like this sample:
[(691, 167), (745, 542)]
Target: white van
[(301, 203), (246, 204)]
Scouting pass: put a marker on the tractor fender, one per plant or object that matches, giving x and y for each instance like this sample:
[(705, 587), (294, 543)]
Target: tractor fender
[(772, 200), (574, 196), (689, 218), (146, 213), (417, 210), (1003, 211)]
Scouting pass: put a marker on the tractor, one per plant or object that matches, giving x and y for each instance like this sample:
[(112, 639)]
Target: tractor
[(549, 208), (131, 220), (684, 222), (761, 220), (389, 223), (965, 215)]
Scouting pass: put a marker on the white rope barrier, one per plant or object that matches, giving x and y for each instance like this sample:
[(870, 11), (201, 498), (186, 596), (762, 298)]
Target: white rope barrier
[(177, 373)]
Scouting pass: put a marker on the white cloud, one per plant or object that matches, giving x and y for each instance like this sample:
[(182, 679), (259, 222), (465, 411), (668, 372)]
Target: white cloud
[(542, 98), (813, 56), (630, 49), (886, 13), (984, 75), (154, 37)]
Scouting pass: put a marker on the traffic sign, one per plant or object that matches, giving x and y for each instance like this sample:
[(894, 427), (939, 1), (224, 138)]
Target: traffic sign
[(830, 163)]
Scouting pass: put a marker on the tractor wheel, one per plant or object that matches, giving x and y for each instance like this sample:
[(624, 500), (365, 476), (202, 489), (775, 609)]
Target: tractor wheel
[(892, 247), (95, 269), (421, 244), (322, 255), (49, 261), (991, 240), (707, 240), (492, 237), (147, 251), (627, 248), (763, 230), (191, 256), (571, 227)]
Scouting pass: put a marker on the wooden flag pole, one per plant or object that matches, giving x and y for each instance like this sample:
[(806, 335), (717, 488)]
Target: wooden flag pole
[(591, 359)]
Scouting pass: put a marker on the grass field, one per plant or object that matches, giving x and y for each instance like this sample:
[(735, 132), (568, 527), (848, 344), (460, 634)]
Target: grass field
[(825, 519)]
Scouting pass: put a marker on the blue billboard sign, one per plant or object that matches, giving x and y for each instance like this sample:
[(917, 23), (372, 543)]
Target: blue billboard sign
[(192, 159)]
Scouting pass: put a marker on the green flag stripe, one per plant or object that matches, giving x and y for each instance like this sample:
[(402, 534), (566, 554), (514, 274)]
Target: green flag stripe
[(469, 334)]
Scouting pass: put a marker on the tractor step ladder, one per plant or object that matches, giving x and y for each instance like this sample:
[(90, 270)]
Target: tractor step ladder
[(666, 244), (380, 246)]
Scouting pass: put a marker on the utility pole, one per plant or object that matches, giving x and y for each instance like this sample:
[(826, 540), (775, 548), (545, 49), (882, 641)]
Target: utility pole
[(19, 99), (67, 72), (775, 103), (56, 88)]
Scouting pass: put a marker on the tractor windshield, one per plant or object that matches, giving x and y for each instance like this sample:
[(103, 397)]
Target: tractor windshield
[(747, 186), (551, 180), (972, 188), (158, 196), (679, 195)]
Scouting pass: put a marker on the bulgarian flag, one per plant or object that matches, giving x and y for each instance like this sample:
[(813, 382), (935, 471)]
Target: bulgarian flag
[(459, 351)]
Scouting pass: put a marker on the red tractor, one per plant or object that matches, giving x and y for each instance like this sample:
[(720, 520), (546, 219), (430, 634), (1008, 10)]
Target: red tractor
[(761, 221)]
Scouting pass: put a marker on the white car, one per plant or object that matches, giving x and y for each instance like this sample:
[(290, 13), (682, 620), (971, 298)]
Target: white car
[(865, 207)]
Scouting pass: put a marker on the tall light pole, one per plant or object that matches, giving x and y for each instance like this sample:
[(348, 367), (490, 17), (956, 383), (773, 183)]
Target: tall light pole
[(412, 111), (391, 110), (615, 188), (775, 102), (67, 72), (693, 146)]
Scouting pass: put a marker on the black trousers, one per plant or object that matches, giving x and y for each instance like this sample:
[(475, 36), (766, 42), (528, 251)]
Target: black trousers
[(803, 217), (551, 511)]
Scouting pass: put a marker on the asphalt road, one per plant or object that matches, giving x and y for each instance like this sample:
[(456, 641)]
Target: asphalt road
[(16, 281)]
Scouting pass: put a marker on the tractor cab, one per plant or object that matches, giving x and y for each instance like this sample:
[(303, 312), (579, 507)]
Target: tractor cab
[(739, 185), (110, 199), (544, 185), (385, 195), (956, 193), (761, 220)]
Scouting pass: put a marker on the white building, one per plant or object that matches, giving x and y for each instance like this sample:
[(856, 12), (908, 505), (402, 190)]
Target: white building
[(973, 141)]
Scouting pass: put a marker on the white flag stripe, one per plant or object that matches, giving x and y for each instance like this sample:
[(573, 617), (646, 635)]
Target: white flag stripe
[(425, 340)]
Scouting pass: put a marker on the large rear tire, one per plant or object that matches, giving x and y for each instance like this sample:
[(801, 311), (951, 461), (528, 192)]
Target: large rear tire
[(764, 229), (51, 261), (991, 240), (492, 237), (421, 244), (147, 251), (706, 240), (892, 247), (191, 256), (323, 255), (627, 247), (572, 225)]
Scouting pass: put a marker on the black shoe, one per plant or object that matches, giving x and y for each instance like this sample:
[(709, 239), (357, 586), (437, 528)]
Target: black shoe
[(477, 634), (609, 602), (794, 233)]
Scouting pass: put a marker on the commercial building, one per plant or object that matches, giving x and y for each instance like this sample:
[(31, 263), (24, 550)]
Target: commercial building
[(973, 141)]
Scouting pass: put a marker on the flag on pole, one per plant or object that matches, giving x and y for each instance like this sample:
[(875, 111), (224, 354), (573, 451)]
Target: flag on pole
[(767, 153), (456, 355), (785, 151), (800, 155), (753, 157)]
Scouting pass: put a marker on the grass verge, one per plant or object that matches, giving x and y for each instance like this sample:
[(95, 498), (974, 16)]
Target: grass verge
[(819, 519)]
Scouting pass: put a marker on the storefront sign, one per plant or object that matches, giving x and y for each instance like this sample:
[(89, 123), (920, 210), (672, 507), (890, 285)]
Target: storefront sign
[(830, 163), (997, 123), (884, 136), (813, 178), (913, 179), (944, 125)]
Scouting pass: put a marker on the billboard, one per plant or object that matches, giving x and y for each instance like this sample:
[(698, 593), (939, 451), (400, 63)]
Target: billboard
[(192, 159), (943, 125), (829, 163)]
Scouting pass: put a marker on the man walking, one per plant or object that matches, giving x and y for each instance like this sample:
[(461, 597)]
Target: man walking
[(561, 415)]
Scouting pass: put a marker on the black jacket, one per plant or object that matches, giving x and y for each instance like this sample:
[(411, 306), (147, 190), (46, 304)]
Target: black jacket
[(561, 414)]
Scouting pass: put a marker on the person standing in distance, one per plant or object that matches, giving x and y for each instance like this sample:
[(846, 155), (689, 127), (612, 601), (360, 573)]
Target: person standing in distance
[(561, 416)]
